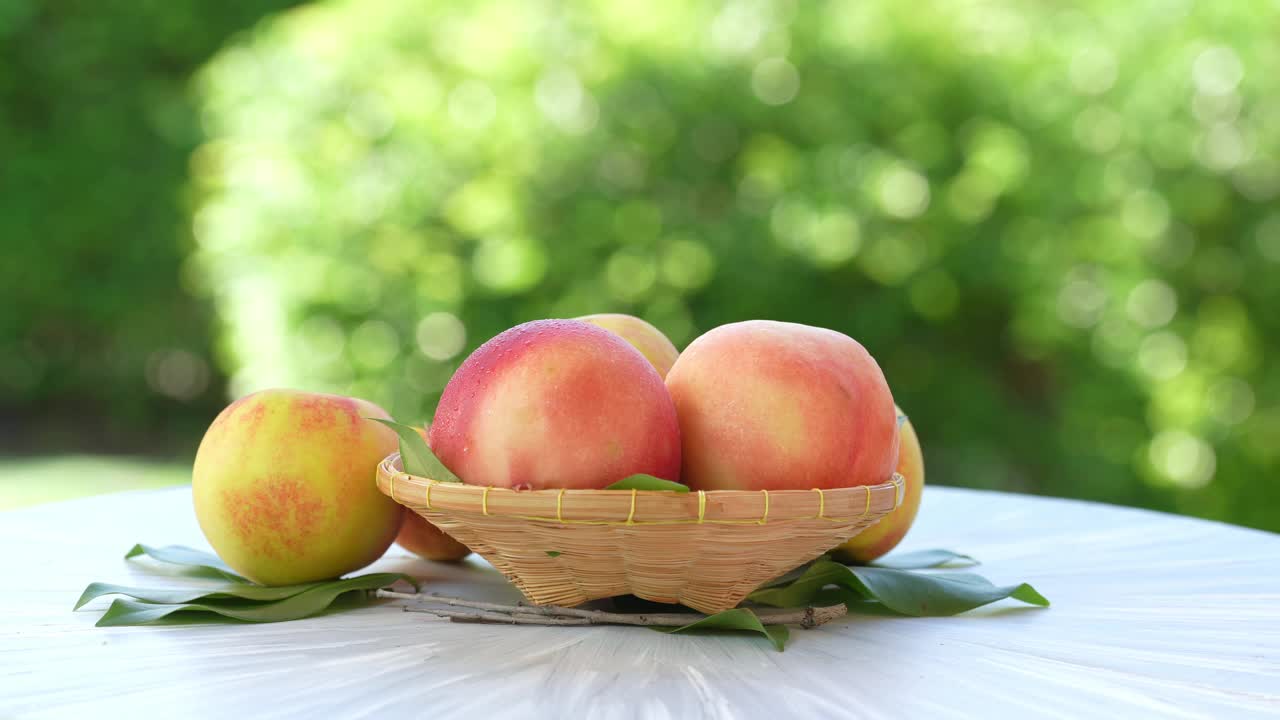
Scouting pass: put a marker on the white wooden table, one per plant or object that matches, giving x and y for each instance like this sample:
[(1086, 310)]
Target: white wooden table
[(1153, 616)]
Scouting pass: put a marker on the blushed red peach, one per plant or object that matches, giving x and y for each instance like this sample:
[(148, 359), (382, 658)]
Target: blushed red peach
[(885, 535), (284, 488), (556, 403), (646, 338), (773, 405), (420, 537)]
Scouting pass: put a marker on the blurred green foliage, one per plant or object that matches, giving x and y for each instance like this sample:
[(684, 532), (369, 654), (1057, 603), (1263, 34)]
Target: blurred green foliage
[(100, 346), (1055, 227)]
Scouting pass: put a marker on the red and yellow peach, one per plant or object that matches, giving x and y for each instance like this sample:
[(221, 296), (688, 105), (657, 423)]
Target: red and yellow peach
[(774, 405), (556, 403), (284, 487)]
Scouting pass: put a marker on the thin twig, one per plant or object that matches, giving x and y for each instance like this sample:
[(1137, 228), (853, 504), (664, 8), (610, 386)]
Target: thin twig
[(486, 616), (555, 615)]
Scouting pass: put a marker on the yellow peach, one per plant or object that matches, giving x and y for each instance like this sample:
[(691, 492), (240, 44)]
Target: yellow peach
[(886, 534), (284, 488), (646, 338)]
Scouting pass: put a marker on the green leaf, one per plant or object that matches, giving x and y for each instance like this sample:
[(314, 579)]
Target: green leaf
[(196, 562), (553, 553), (416, 454), (243, 591), (640, 481), (904, 592), (304, 604), (924, 594), (794, 573), (736, 619), (801, 591), (922, 559)]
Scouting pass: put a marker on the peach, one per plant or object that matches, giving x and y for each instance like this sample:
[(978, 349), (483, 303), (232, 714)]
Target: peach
[(420, 537), (886, 534), (556, 403), (649, 340), (284, 488), (769, 405)]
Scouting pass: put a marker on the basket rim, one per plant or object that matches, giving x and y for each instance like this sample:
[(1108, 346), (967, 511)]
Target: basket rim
[(639, 507)]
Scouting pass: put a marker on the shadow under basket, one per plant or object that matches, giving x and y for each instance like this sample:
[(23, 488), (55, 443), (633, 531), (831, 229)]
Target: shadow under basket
[(704, 550)]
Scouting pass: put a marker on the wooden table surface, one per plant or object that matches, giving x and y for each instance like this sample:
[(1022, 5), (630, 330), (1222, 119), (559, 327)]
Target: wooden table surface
[(1153, 616)]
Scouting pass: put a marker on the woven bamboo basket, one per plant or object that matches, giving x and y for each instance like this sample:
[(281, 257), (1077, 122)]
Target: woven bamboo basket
[(705, 550)]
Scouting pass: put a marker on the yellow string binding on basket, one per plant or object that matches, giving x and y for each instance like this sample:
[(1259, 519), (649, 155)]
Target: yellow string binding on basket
[(702, 509)]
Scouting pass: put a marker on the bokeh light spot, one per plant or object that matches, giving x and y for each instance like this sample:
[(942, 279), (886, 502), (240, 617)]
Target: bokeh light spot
[(687, 264), (1231, 400), (1182, 458), (738, 27), (1145, 214), (1162, 355), (775, 81), (177, 373), (1217, 70), (565, 102), (509, 265), (441, 335), (1152, 303), (1092, 70), (1221, 147), (903, 192), (1081, 299), (834, 238)]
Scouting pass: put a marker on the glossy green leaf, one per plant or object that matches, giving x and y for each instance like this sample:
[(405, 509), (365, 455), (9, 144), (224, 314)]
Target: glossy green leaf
[(640, 481), (904, 592), (416, 455), (241, 590), (303, 604), (553, 553), (923, 559), (738, 620), (801, 590), (795, 573), (929, 594), (194, 562)]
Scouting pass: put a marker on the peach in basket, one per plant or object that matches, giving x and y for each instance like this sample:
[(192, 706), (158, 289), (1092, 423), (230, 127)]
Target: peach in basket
[(703, 549), (786, 433)]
